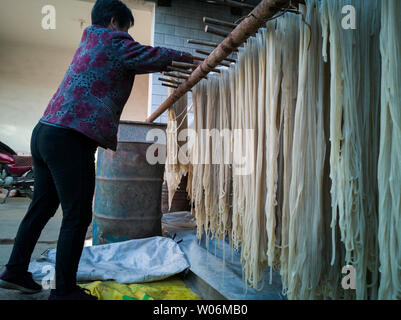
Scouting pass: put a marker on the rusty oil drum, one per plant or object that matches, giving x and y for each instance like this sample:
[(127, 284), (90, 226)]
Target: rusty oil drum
[(127, 201)]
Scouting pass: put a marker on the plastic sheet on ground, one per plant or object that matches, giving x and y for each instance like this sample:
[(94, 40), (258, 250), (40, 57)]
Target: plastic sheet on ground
[(222, 269), (170, 289), (180, 220), (133, 261)]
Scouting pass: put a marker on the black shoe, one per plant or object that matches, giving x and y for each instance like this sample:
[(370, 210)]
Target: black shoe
[(19, 281), (77, 294)]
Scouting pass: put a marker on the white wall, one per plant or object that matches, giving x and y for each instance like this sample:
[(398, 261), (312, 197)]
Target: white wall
[(29, 76), (33, 62)]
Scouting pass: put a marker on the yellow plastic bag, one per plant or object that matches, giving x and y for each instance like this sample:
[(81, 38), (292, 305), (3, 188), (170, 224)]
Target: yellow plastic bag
[(170, 289)]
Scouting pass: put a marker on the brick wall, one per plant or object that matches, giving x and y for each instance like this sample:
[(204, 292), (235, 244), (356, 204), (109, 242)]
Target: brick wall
[(174, 26)]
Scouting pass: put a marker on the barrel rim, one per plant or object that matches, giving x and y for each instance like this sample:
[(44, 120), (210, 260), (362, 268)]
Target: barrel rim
[(150, 124)]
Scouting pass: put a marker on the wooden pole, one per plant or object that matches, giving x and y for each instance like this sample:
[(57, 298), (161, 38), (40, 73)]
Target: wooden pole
[(170, 80), (201, 59), (217, 22), (207, 53), (185, 71), (219, 32), (174, 75), (257, 18), (184, 65), (206, 43), (169, 85), (190, 66)]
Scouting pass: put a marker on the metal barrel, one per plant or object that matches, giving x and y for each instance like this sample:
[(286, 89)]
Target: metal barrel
[(128, 188)]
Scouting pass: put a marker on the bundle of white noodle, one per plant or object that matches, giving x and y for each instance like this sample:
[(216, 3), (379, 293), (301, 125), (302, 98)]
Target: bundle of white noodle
[(224, 149), (210, 176), (273, 84), (253, 246), (199, 95), (389, 168), (355, 66), (237, 86), (174, 169), (289, 26), (307, 262)]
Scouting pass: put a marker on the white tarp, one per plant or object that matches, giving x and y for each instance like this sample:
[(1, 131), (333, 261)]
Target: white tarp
[(180, 220), (133, 261)]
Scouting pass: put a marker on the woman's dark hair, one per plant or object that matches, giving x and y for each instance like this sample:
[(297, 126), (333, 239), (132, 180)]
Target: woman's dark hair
[(104, 10)]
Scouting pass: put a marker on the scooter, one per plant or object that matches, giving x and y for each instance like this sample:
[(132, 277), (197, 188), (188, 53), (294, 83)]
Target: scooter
[(16, 172)]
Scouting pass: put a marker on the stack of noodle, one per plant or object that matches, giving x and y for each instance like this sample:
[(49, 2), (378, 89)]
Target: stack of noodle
[(389, 168)]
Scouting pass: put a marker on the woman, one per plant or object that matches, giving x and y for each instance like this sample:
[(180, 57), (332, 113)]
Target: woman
[(83, 114)]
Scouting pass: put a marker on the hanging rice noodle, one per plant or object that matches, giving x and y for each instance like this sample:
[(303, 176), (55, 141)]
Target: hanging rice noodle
[(273, 84), (210, 176), (300, 195), (253, 246), (174, 168), (289, 25), (199, 107), (389, 167), (355, 65), (237, 87), (224, 149), (307, 276)]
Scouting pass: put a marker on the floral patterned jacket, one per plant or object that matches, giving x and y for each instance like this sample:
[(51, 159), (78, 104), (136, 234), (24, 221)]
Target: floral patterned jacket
[(99, 80)]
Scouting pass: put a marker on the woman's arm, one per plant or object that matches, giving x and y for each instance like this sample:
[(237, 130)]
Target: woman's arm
[(146, 59)]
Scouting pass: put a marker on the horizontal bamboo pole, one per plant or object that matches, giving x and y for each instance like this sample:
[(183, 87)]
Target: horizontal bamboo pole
[(175, 75), (206, 43), (207, 53), (185, 71), (217, 31), (184, 65), (190, 66), (169, 85), (201, 59), (218, 22), (256, 19), (170, 80)]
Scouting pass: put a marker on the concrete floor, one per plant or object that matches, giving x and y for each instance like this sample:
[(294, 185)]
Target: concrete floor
[(11, 214)]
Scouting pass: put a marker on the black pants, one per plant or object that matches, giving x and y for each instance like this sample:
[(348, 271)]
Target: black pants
[(64, 173)]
